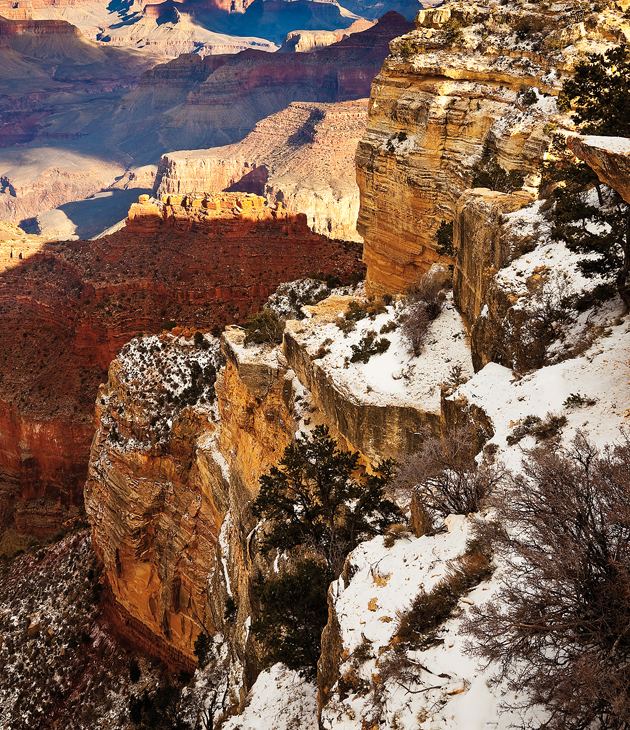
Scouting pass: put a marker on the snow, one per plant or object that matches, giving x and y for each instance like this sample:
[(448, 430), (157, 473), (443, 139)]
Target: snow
[(394, 377), (448, 690), (602, 373), (616, 145), (393, 578), (279, 700), (224, 543)]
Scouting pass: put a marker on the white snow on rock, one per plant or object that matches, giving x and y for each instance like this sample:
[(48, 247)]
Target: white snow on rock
[(279, 700), (394, 377)]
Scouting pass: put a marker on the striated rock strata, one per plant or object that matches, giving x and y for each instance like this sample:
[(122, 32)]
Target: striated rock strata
[(172, 475), (67, 308), (197, 103), (438, 105), (309, 168)]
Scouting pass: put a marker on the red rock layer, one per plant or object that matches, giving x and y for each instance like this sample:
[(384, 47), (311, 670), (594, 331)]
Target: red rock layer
[(67, 308)]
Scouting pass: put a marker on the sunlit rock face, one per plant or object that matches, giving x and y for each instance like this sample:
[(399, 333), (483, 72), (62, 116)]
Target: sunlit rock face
[(308, 169), (67, 309), (440, 103)]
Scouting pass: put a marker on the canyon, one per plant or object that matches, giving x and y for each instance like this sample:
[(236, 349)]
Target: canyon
[(186, 421), (309, 168), (67, 308), (79, 139)]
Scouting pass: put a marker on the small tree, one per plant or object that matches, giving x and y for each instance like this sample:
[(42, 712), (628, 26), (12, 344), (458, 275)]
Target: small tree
[(444, 239), (316, 499), (600, 94), (263, 326), (559, 629), (294, 611), (444, 478), (424, 304)]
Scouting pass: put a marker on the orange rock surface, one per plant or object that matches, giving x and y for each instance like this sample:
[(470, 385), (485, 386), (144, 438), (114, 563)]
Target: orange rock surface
[(67, 308)]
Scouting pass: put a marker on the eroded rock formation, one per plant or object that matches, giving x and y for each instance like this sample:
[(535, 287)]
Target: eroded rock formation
[(219, 100), (439, 105), (309, 168), (172, 476), (67, 308), (609, 157)]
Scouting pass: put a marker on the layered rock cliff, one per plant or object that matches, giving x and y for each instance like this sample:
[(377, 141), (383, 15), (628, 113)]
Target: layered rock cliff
[(451, 92), (68, 308), (309, 168), (224, 97), (172, 476)]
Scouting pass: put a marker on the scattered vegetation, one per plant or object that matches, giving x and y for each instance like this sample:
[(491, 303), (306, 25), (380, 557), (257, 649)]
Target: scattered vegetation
[(424, 304), (558, 629), (369, 345), (576, 400), (315, 500), (444, 239), (358, 310), (540, 429), (600, 227), (444, 478), (451, 33), (420, 623), (264, 327), (407, 50), (488, 173)]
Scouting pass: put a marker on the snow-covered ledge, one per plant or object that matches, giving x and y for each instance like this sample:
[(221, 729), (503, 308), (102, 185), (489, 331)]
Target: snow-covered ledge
[(609, 157)]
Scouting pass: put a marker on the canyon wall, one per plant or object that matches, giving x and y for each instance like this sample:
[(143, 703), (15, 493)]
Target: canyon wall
[(442, 102), (309, 168), (171, 481), (218, 101), (67, 309)]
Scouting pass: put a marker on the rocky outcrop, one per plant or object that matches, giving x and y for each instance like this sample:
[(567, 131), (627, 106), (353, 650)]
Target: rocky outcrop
[(171, 482), (609, 157), (440, 103), (482, 245), (67, 309), (376, 421), (305, 41), (308, 169)]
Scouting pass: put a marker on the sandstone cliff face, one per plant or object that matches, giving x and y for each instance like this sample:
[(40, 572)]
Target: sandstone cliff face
[(154, 504), (67, 309), (171, 479), (435, 109), (304, 41), (309, 169), (482, 244)]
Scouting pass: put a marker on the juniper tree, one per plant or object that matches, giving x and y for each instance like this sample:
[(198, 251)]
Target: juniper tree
[(293, 613), (316, 499)]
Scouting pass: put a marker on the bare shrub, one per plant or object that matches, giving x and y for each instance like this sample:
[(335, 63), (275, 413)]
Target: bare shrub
[(445, 478), (424, 304), (559, 628), (419, 623), (542, 430)]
